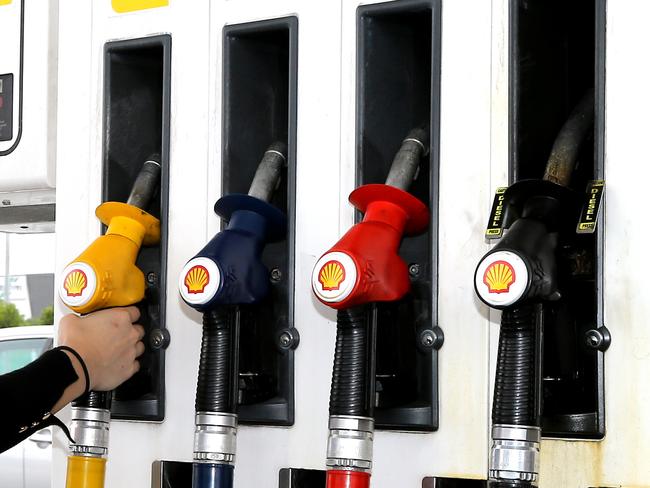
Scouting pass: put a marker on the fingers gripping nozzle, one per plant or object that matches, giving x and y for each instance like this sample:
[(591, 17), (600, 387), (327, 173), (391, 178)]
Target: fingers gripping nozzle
[(105, 275)]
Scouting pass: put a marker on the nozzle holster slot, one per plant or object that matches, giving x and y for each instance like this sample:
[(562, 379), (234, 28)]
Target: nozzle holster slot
[(259, 110), (550, 73), (398, 85), (137, 77)]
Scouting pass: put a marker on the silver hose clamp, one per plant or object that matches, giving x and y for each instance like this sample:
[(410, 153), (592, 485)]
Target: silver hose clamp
[(89, 428), (349, 445), (215, 437), (515, 453)]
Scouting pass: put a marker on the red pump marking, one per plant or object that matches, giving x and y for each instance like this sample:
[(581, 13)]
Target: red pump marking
[(389, 213), (348, 479)]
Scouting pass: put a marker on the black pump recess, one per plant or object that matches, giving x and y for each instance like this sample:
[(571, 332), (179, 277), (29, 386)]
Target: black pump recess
[(260, 100), (137, 82), (557, 53), (398, 87)]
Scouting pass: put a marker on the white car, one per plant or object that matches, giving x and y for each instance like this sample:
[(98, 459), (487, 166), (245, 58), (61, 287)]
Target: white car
[(27, 465)]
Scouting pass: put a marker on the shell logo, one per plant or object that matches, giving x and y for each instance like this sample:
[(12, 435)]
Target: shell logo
[(75, 283), (499, 276), (196, 279), (331, 275)]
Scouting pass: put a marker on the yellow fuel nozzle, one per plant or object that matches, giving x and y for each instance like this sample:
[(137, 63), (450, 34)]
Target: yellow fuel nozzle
[(105, 274)]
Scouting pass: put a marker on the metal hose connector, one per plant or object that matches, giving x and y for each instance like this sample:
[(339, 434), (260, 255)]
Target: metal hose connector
[(349, 445), (90, 428), (515, 453), (215, 437)]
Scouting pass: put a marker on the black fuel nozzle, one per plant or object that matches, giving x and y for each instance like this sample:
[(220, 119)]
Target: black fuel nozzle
[(522, 266), (517, 276)]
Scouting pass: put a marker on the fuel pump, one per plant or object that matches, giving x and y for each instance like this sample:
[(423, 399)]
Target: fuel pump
[(520, 277), (103, 276), (361, 269), (225, 276)]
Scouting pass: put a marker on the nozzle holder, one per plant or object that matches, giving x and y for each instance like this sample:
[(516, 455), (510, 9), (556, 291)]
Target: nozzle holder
[(276, 221), (416, 213), (557, 206), (108, 211)]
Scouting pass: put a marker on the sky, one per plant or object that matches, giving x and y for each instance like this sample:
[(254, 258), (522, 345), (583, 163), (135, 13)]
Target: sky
[(28, 253)]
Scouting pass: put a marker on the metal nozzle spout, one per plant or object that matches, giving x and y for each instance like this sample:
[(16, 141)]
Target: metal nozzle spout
[(407, 160), (562, 160), (146, 183), (267, 176)]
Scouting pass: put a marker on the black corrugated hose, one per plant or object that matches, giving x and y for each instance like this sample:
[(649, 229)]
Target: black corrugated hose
[(215, 386), (517, 385), (352, 391), (95, 399), (516, 389)]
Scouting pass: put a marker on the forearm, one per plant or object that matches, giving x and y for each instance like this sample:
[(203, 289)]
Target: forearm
[(31, 394)]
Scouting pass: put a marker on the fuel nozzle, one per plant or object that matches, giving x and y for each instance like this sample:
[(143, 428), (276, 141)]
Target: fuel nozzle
[(236, 250), (339, 279), (361, 269), (518, 276), (105, 274), (226, 274), (522, 266)]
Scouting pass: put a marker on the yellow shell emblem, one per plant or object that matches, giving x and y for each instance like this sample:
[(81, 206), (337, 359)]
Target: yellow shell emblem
[(75, 283), (331, 275), (197, 279), (499, 276)]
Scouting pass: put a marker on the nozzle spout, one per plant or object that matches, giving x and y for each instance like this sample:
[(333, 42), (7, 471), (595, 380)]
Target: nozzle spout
[(407, 160), (564, 154), (146, 183), (268, 172)]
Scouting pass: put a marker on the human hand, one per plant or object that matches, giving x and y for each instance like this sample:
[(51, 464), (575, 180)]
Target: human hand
[(108, 341)]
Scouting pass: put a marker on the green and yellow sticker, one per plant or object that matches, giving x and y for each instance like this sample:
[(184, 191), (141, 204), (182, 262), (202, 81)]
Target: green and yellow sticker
[(591, 207), (495, 225), (123, 6)]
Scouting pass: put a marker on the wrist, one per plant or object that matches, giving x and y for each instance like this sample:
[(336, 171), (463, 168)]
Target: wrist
[(80, 367)]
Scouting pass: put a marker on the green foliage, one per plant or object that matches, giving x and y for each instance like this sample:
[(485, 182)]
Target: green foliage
[(10, 316), (46, 318), (47, 315)]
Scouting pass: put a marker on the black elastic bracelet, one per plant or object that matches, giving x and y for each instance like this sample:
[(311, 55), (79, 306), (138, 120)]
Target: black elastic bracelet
[(83, 365)]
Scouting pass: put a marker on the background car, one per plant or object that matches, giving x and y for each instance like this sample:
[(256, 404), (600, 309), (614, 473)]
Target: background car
[(27, 465)]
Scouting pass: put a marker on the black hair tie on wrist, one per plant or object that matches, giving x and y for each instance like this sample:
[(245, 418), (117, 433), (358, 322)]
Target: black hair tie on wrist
[(83, 365)]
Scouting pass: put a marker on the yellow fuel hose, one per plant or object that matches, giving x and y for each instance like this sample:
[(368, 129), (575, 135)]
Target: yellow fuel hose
[(85, 472)]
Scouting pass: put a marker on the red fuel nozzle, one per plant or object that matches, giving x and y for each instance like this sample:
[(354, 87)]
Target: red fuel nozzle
[(364, 266)]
